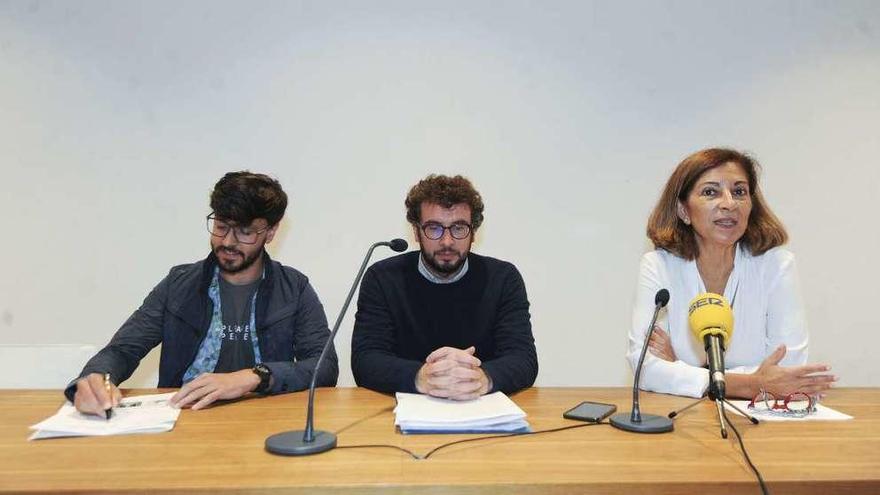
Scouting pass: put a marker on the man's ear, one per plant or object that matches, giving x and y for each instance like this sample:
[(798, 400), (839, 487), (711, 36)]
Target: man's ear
[(270, 234)]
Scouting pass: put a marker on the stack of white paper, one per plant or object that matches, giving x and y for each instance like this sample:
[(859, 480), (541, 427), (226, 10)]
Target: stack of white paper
[(493, 413), (140, 414)]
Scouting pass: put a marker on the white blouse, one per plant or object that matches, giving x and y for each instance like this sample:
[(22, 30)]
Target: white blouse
[(767, 311)]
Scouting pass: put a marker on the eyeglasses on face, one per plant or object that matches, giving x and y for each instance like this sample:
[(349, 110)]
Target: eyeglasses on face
[(244, 235), (434, 230)]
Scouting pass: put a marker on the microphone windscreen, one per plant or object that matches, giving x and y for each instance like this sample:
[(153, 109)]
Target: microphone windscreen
[(398, 245), (662, 298), (710, 314)]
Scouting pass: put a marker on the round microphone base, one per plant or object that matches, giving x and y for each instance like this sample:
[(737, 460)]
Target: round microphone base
[(292, 443), (650, 423)]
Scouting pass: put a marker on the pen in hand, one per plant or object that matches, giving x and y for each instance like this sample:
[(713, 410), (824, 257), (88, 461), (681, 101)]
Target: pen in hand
[(109, 410)]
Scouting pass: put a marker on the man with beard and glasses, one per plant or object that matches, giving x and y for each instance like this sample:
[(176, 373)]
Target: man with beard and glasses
[(234, 323), (443, 321)]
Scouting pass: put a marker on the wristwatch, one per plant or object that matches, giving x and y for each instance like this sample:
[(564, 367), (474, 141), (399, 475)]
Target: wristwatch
[(265, 374)]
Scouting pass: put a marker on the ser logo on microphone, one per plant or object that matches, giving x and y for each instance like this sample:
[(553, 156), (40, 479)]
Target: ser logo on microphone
[(705, 301)]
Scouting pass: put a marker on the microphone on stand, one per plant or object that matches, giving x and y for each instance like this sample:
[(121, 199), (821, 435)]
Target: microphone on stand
[(308, 441), (711, 322), (635, 421)]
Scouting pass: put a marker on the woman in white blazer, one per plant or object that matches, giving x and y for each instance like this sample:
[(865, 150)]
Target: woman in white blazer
[(713, 232)]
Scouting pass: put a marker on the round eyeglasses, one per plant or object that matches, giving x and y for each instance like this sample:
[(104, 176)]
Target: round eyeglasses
[(435, 231), (244, 235)]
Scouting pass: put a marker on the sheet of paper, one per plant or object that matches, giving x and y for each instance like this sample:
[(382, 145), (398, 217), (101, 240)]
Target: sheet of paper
[(138, 414), (823, 413)]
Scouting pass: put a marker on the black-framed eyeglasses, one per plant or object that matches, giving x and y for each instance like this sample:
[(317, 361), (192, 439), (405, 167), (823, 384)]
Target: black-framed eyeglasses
[(435, 230), (244, 235)]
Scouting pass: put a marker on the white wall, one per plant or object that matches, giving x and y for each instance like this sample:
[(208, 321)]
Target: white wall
[(116, 118)]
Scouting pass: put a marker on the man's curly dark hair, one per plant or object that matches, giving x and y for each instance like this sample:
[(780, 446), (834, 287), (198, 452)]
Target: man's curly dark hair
[(444, 191)]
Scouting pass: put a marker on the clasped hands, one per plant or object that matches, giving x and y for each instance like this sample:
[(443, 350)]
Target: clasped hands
[(453, 374), (93, 398)]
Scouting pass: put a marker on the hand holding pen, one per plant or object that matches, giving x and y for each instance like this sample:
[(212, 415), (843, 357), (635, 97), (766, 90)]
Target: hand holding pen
[(96, 394), (108, 411)]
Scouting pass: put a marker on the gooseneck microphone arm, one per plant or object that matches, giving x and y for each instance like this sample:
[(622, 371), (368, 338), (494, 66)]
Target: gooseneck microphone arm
[(309, 433), (660, 300), (290, 443), (635, 422)]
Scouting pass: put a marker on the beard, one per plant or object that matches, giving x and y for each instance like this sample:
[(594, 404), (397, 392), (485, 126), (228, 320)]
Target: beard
[(443, 267), (236, 265)]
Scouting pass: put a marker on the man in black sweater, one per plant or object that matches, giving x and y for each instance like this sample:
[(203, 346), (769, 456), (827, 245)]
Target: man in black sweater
[(443, 321)]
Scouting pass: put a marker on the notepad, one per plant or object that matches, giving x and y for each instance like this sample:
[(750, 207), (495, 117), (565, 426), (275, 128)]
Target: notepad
[(493, 413), (138, 414)]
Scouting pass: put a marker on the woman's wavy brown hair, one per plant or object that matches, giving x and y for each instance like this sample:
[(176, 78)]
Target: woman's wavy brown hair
[(764, 231)]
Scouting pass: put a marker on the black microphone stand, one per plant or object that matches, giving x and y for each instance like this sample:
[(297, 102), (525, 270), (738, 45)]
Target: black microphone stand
[(716, 395), (719, 404), (309, 441), (637, 422)]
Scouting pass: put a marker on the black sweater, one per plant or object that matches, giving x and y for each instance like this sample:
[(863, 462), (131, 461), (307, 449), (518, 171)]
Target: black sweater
[(402, 317)]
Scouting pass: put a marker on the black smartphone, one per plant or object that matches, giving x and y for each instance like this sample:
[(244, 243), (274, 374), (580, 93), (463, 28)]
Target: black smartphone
[(592, 412)]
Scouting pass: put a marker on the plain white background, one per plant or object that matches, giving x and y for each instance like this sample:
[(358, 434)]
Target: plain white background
[(116, 119)]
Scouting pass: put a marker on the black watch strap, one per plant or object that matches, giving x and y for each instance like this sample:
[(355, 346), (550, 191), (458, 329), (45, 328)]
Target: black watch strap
[(265, 374)]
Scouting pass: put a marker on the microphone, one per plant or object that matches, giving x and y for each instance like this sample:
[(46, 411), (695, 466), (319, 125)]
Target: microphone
[(396, 245), (635, 421), (308, 441), (711, 322)]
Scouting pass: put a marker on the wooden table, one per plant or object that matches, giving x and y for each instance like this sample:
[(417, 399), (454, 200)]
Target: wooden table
[(221, 450)]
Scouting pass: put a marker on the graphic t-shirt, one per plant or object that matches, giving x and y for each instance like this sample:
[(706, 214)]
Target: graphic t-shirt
[(236, 349)]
